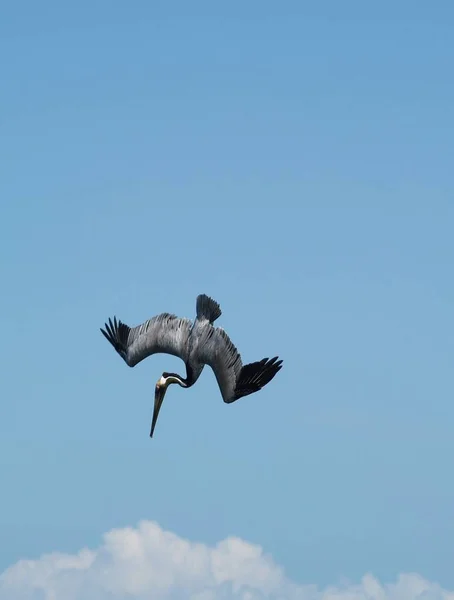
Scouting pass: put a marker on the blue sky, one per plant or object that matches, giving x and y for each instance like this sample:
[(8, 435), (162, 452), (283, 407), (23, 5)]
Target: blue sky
[(294, 161)]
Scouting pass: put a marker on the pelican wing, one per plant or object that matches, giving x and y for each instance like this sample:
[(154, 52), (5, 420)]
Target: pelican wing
[(234, 379), (164, 333), (218, 351)]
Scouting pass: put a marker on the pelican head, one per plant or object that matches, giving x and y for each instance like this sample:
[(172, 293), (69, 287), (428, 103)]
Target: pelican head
[(160, 391)]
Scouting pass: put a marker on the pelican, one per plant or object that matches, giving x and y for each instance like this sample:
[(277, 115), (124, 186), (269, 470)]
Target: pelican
[(197, 344)]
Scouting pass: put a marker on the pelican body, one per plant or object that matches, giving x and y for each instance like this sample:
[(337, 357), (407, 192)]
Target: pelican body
[(197, 343)]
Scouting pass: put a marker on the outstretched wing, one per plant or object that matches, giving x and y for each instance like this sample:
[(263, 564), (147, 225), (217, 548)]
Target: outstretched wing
[(165, 333), (234, 379), (217, 350)]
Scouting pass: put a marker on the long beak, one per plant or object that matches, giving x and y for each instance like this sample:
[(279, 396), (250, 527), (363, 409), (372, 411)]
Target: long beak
[(158, 399)]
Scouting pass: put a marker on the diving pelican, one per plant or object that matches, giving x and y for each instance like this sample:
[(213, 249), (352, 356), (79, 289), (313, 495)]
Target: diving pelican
[(197, 344)]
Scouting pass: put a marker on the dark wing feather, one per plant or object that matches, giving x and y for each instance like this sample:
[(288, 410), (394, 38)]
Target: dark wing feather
[(256, 375), (234, 379), (165, 333)]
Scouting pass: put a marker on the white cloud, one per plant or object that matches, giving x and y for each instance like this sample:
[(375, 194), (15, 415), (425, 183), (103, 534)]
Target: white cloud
[(148, 563)]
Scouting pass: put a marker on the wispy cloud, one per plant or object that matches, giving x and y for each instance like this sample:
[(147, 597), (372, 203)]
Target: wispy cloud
[(148, 563)]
